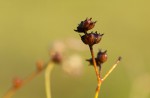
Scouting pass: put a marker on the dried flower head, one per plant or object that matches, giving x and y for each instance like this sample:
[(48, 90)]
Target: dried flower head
[(102, 56), (17, 82), (39, 65), (91, 38), (56, 51), (100, 59), (57, 57), (85, 25)]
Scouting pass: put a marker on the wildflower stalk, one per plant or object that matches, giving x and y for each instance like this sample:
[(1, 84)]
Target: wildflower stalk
[(91, 39), (106, 75), (97, 73), (29, 78), (48, 71)]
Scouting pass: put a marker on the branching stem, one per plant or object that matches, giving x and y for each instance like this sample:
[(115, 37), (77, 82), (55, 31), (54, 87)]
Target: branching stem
[(29, 78), (99, 79)]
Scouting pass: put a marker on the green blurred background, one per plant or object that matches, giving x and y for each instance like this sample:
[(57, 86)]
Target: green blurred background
[(27, 27)]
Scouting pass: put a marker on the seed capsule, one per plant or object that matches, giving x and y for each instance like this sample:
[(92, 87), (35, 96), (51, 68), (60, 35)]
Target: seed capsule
[(91, 38), (101, 57), (85, 25), (17, 82)]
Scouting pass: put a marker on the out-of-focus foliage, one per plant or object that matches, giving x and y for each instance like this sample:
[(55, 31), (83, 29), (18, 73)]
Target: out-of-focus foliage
[(27, 27)]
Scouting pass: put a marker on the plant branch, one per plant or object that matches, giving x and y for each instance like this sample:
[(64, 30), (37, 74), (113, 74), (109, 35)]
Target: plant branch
[(10, 92), (113, 67), (30, 77)]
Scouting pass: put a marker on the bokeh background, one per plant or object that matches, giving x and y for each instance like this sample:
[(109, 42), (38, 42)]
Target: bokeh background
[(28, 27)]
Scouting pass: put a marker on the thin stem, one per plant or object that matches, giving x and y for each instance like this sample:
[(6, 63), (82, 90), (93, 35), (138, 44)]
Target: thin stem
[(94, 63), (113, 67), (98, 90), (10, 93), (97, 73), (30, 77), (47, 79)]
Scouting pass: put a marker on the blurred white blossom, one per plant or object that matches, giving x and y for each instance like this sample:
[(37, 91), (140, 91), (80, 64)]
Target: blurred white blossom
[(75, 44), (57, 46), (73, 65)]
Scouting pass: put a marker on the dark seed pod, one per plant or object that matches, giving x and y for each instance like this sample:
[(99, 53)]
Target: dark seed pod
[(85, 25), (97, 37), (91, 38), (100, 59), (57, 58), (101, 56)]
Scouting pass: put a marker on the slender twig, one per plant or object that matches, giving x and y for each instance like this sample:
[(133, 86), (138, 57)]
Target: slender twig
[(47, 79), (97, 73), (10, 92), (98, 89), (113, 67), (30, 77)]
